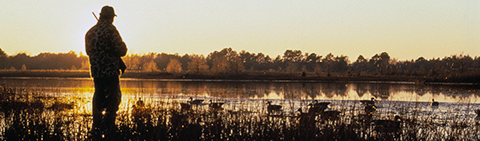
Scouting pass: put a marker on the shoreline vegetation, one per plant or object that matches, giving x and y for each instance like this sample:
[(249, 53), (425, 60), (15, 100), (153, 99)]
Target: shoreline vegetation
[(27, 115), (465, 79), (228, 64)]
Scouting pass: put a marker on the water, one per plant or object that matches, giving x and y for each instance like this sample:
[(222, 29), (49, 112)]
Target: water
[(404, 99), (250, 94), (278, 90)]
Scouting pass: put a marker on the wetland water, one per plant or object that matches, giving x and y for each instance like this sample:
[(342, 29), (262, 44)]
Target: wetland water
[(392, 97), (410, 101)]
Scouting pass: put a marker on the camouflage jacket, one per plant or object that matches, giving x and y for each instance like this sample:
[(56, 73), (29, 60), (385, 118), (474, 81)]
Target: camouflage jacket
[(104, 47)]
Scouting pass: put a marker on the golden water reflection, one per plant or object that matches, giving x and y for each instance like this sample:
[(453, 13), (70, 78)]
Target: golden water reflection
[(458, 102), (134, 88)]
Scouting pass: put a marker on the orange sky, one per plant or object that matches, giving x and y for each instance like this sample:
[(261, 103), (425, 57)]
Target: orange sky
[(406, 29)]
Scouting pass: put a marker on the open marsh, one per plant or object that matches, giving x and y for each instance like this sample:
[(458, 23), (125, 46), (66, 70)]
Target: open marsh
[(244, 115)]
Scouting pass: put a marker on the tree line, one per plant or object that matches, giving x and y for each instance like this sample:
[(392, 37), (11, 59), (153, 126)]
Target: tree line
[(229, 61)]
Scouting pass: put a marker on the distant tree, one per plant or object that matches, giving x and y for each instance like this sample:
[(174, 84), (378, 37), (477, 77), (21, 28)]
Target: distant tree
[(73, 67), (360, 64), (2, 53), (291, 67), (132, 61), (219, 65), (340, 64), (3, 59), (19, 59), (295, 55), (328, 62), (381, 62), (236, 65), (197, 65), (225, 61), (311, 61), (150, 66), (248, 60), (174, 66), (86, 65), (24, 67)]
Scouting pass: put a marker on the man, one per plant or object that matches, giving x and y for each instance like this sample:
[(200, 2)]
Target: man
[(104, 46)]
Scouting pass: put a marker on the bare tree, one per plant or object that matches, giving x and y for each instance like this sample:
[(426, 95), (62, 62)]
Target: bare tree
[(198, 64), (219, 65), (174, 66), (150, 66)]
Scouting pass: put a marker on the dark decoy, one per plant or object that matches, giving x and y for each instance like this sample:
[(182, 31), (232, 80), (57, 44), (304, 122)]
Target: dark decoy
[(434, 103), (368, 102), (185, 106), (317, 107), (195, 102), (387, 126), (216, 105), (305, 119), (273, 108)]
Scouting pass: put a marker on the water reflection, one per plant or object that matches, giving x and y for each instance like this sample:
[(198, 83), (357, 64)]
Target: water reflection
[(257, 90), (163, 99)]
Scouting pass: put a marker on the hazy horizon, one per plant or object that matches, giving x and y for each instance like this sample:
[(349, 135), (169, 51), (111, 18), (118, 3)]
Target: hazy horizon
[(404, 29)]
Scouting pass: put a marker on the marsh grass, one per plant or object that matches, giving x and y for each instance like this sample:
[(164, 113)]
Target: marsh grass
[(28, 116)]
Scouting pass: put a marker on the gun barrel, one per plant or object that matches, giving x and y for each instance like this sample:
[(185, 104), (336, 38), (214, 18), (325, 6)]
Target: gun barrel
[(95, 16)]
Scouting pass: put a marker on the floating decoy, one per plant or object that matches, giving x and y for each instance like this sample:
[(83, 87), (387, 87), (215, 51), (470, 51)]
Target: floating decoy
[(195, 102), (388, 125), (317, 107), (185, 106), (305, 119), (216, 105), (273, 108), (368, 102), (434, 103)]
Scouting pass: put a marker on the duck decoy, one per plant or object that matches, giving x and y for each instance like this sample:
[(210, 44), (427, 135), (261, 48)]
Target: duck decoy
[(305, 119), (273, 108), (387, 126), (216, 105), (368, 102), (317, 107), (185, 106), (195, 102), (434, 103)]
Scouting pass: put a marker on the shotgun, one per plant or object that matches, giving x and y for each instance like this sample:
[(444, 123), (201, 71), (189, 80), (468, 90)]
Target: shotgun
[(95, 16)]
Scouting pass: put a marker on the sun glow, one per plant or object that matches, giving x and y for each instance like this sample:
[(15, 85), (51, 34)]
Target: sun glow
[(406, 29)]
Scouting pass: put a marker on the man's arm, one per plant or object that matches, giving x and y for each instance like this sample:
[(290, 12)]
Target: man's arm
[(120, 46)]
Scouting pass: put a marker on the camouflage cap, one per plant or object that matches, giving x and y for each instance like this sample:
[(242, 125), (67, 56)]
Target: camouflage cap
[(107, 12)]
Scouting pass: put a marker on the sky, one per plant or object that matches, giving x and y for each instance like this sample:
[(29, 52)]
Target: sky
[(405, 29)]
